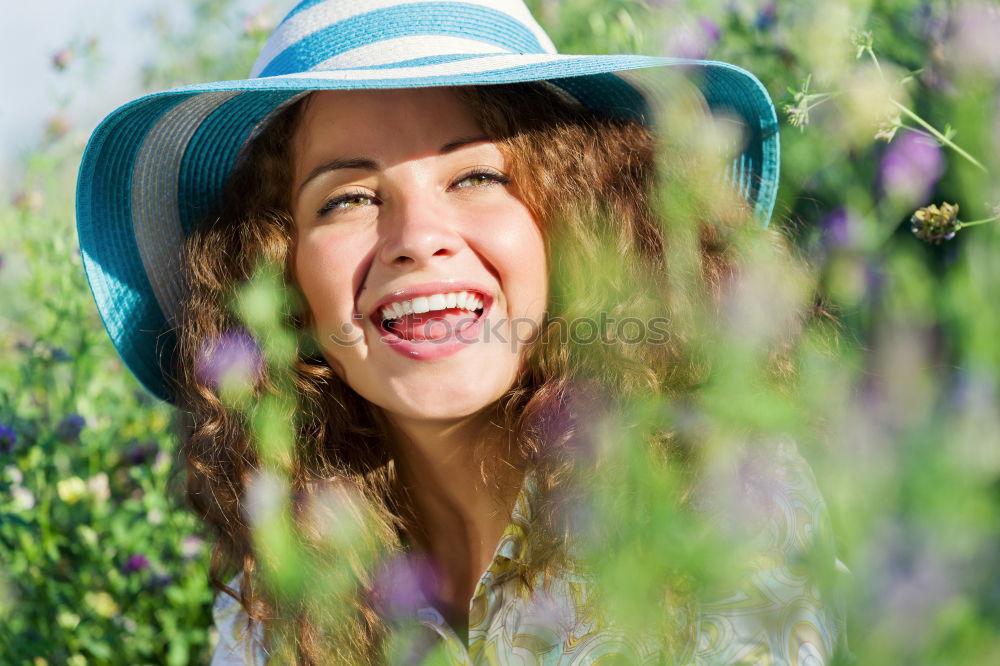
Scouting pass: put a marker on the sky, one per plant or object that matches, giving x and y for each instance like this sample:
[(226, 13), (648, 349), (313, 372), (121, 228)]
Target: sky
[(33, 32)]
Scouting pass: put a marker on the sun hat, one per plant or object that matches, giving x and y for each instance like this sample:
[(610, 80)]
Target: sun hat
[(155, 166)]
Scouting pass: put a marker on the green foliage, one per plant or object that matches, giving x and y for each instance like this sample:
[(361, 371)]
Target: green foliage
[(896, 405)]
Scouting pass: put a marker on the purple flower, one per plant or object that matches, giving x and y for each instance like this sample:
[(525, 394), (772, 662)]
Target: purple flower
[(140, 453), (62, 58), (135, 564), (767, 16), (232, 358), (840, 229), (399, 584), (692, 40), (973, 38), (8, 438), (70, 427), (911, 167)]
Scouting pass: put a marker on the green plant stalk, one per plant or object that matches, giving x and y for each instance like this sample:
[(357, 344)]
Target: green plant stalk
[(937, 135), (923, 123), (962, 225)]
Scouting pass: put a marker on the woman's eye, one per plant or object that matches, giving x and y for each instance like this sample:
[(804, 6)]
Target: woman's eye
[(480, 179), (346, 202)]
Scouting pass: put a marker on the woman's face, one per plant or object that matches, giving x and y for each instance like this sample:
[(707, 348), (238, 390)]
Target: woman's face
[(423, 271)]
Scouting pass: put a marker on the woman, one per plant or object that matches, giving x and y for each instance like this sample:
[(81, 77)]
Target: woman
[(433, 180)]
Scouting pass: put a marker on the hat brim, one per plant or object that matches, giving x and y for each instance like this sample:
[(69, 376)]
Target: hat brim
[(156, 165)]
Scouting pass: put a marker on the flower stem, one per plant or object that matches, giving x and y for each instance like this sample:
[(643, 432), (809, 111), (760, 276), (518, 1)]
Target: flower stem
[(937, 135), (923, 123), (962, 225)]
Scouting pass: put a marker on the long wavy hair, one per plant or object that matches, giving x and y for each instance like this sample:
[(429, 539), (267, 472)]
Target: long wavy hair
[(587, 178)]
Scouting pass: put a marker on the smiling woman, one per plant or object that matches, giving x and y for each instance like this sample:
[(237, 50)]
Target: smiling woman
[(448, 206)]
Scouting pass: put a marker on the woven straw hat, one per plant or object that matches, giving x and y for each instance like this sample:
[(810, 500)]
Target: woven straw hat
[(154, 166)]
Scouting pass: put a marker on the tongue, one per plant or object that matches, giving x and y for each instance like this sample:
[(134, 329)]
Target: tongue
[(433, 325)]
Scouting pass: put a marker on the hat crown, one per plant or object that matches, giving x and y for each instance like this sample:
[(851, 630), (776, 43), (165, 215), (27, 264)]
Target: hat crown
[(325, 35)]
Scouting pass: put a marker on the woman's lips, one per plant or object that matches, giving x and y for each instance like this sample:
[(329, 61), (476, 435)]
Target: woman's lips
[(434, 335)]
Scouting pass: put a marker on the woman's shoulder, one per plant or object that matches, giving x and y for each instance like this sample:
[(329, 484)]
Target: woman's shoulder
[(240, 640)]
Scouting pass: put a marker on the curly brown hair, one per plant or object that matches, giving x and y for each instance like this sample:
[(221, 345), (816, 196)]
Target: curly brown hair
[(587, 178)]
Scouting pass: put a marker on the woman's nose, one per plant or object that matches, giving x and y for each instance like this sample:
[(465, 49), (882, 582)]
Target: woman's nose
[(417, 230)]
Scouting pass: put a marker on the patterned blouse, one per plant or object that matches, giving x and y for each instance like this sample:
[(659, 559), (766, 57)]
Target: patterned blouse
[(776, 616)]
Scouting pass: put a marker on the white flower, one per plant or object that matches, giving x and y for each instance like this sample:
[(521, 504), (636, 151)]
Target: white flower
[(23, 497)]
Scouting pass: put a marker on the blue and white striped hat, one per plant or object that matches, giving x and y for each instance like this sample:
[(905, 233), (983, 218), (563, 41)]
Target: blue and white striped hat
[(154, 166)]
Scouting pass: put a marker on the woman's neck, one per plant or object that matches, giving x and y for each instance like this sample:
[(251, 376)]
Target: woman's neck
[(457, 516)]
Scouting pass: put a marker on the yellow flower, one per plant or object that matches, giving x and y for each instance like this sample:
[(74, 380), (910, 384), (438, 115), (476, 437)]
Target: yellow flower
[(934, 225), (102, 603), (71, 490)]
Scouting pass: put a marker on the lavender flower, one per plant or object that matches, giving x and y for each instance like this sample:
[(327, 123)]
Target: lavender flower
[(692, 40), (840, 229), (231, 359), (135, 564), (62, 58), (8, 438), (911, 167), (70, 427), (973, 38), (398, 585), (140, 453)]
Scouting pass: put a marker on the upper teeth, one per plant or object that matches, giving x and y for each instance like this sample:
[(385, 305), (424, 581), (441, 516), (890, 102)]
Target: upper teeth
[(456, 299)]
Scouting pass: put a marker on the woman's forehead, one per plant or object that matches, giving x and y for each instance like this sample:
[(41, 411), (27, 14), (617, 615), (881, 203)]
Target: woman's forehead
[(348, 116), (382, 127)]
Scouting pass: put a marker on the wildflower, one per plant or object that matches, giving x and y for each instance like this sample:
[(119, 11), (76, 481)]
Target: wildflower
[(191, 546), (58, 126), (8, 438), (398, 585), (935, 225), (102, 603), (155, 516), (140, 453), (68, 620), (60, 355), (886, 130), (767, 17), (70, 427), (840, 229), (803, 102), (62, 58), (973, 37), (864, 41), (135, 564), (232, 359), (911, 167), (13, 474), (71, 490), (259, 22), (98, 487), (28, 201), (692, 40), (23, 497)]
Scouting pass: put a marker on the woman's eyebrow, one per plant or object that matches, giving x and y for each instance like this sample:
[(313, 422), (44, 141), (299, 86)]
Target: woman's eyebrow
[(349, 163), (371, 165), (452, 146)]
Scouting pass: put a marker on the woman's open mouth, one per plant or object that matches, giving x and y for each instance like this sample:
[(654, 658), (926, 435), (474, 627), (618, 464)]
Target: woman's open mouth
[(434, 317)]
